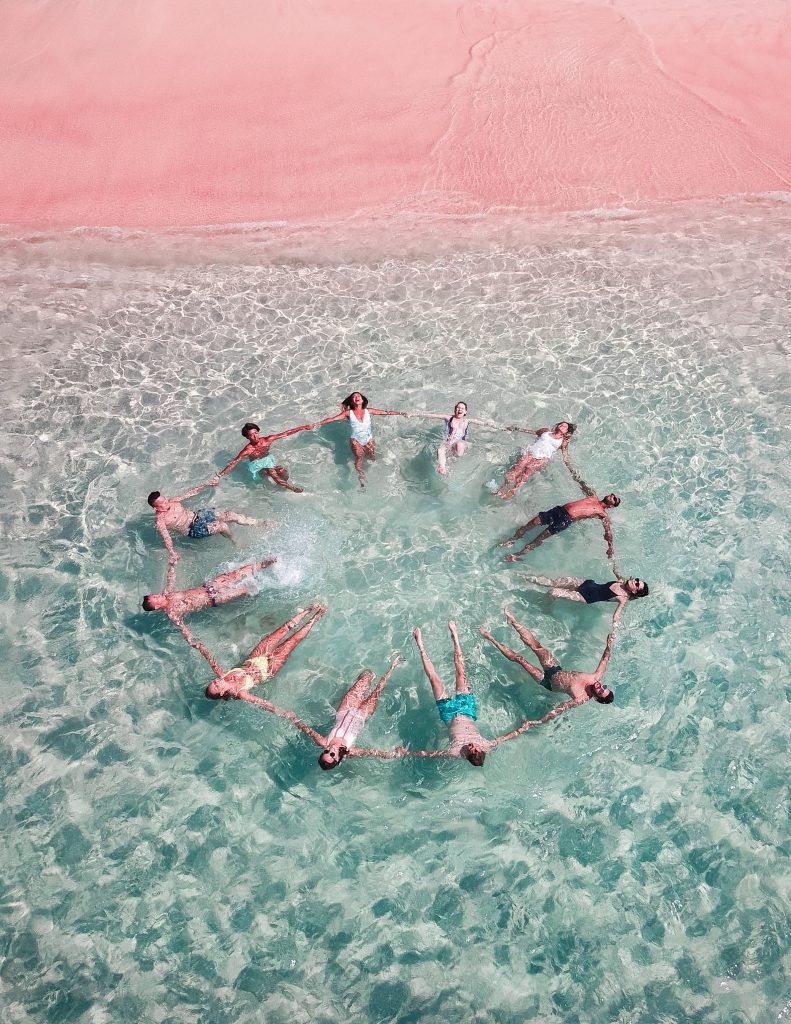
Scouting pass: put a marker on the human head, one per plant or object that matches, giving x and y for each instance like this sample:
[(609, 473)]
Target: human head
[(222, 687), (636, 587), (564, 427), (153, 498), (332, 756), (611, 501), (248, 428), (474, 755), (460, 406), (153, 602), (348, 403), (601, 693)]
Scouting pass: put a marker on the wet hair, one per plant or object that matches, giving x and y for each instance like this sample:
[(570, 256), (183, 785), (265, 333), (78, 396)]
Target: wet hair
[(147, 606), (461, 402), (475, 757), (153, 497), (347, 402), (327, 766), (643, 592), (210, 691), (605, 700), (248, 427), (616, 500)]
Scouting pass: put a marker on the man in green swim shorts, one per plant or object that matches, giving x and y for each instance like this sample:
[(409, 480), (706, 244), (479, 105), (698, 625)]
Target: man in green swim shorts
[(461, 711), (261, 462)]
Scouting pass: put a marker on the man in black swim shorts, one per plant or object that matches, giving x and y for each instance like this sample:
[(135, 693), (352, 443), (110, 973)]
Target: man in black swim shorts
[(561, 517)]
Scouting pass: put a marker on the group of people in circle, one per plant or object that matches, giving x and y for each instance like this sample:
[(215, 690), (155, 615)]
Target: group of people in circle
[(458, 711)]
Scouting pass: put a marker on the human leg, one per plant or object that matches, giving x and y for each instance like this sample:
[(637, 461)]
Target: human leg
[(459, 447), (355, 695), (357, 451), (284, 650), (369, 705), (512, 655), (370, 450), (544, 535), (437, 685), (567, 593), (462, 686), (267, 644), (279, 475), (442, 453), (547, 659), (520, 533)]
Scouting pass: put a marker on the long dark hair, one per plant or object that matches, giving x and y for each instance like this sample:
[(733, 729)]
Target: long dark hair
[(347, 402)]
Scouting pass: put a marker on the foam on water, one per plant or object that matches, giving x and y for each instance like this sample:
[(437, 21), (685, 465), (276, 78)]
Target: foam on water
[(169, 858)]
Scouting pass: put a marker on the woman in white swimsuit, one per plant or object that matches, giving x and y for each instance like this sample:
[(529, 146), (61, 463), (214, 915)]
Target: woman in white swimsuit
[(537, 456), (356, 408), (455, 436)]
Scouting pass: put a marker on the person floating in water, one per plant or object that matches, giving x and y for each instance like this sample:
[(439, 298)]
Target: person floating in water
[(261, 462), (176, 604), (354, 710), (581, 686), (573, 589), (460, 712), (359, 414), (455, 437), (561, 517), (171, 515), (537, 456), (266, 659)]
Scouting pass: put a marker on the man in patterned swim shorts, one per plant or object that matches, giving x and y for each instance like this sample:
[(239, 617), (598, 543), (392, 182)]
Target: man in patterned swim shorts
[(203, 522), (261, 462)]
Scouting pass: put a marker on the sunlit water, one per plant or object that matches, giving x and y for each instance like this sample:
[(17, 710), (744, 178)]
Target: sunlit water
[(167, 858)]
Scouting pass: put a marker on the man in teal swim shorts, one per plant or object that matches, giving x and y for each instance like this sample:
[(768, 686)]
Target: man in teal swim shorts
[(261, 462)]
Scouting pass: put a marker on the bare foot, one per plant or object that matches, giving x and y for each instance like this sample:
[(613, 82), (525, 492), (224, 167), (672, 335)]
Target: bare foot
[(442, 470), (511, 558), (417, 634), (452, 626), (505, 544), (485, 632)]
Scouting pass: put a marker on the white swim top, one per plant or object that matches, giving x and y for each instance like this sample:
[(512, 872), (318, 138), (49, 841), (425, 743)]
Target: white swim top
[(361, 429), (546, 446), (347, 726)]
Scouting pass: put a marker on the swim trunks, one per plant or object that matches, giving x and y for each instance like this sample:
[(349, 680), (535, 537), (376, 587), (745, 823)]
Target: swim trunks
[(202, 520), (556, 519), (592, 592), (256, 465), (461, 704), (548, 674)]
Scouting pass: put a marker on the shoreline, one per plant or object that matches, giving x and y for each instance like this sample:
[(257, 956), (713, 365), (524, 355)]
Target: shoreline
[(161, 116)]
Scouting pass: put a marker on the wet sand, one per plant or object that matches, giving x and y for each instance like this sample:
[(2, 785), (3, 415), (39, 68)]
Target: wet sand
[(174, 115)]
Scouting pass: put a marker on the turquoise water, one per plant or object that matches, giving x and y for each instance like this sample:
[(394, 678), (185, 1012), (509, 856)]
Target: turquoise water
[(168, 858)]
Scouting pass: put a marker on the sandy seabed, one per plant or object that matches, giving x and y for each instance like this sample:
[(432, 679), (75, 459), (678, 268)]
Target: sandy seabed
[(191, 113)]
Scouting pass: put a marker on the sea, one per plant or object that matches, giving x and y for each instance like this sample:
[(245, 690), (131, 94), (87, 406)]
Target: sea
[(167, 858)]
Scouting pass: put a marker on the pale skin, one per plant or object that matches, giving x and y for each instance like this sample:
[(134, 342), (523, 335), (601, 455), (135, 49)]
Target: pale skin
[(358, 410), (527, 464), (585, 508), (257, 447), (173, 517), (464, 735), (580, 686)]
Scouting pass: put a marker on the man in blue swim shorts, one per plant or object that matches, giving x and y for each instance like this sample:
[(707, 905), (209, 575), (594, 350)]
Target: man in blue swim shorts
[(172, 516), (261, 463), (561, 517)]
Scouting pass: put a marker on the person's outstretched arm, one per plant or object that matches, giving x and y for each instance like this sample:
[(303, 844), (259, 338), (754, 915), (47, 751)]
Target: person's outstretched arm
[(197, 645), (164, 533), (267, 705), (538, 431), (391, 755), (529, 724), (194, 490), (291, 430), (608, 646), (586, 489), (607, 527), (385, 412), (234, 462)]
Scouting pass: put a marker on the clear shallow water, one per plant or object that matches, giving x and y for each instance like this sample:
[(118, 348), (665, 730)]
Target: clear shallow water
[(170, 858)]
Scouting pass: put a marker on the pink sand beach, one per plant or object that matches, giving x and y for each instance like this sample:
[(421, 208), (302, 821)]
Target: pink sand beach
[(191, 112)]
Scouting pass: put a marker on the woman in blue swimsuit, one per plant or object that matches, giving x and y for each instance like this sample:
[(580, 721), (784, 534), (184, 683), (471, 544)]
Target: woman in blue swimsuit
[(455, 436)]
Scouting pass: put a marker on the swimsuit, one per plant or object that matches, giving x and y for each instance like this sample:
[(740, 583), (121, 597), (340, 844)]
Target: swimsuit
[(257, 668), (454, 434), (361, 429), (556, 519), (256, 465), (548, 674), (545, 447), (461, 704), (594, 592), (211, 594), (347, 725), (201, 521)]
